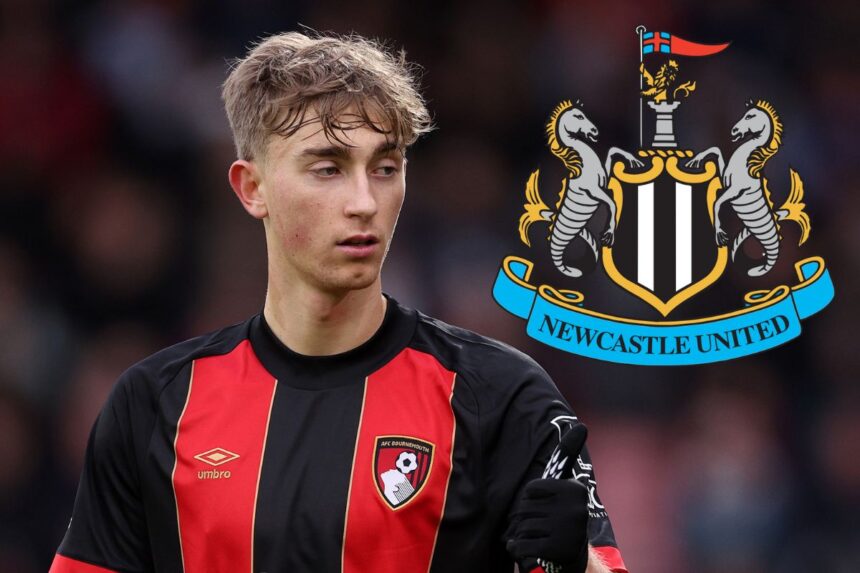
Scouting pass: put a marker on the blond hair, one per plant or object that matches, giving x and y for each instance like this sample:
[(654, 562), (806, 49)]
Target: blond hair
[(348, 81)]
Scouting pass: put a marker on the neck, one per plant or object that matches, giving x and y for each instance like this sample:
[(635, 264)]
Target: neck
[(580, 145), (747, 147), (583, 147), (317, 323), (756, 141), (587, 154)]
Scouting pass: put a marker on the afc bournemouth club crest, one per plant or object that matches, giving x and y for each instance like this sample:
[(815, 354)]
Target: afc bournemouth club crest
[(401, 466), (665, 222)]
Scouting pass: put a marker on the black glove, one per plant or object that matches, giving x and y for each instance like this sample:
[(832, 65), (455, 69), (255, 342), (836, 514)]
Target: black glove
[(551, 520)]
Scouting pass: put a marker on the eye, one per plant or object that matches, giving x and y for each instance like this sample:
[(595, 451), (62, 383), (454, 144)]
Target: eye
[(325, 171), (385, 170)]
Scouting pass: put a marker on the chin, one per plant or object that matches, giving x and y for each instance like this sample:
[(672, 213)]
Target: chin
[(355, 281)]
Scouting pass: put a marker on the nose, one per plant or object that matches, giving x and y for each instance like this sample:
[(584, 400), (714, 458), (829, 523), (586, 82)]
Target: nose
[(361, 201), (735, 130)]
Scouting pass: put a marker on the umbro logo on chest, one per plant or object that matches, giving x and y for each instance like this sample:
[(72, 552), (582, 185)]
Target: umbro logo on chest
[(215, 457)]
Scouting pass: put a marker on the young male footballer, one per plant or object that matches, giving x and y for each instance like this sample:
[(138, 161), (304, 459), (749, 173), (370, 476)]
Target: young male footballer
[(338, 430)]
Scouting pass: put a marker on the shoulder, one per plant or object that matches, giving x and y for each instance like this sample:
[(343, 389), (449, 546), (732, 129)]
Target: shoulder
[(458, 347), (146, 379), (493, 370)]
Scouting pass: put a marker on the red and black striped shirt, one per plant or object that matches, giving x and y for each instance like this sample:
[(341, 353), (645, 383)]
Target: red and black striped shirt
[(230, 452)]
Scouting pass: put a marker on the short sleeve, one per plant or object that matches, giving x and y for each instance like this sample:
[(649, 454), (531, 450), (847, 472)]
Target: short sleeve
[(521, 435), (107, 531)]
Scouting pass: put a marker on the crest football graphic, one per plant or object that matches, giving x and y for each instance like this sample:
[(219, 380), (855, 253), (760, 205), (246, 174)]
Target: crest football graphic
[(401, 466), (664, 222)]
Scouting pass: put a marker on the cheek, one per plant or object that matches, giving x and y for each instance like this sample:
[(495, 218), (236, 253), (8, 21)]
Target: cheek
[(296, 236), (394, 204), (295, 232), (396, 211), (302, 224)]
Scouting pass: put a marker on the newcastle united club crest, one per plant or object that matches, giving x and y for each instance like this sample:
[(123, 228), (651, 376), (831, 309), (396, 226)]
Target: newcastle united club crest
[(664, 222)]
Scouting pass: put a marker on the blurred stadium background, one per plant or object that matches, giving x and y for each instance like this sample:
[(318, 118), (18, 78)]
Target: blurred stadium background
[(119, 235)]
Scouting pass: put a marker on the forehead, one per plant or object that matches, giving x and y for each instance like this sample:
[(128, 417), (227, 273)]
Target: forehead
[(349, 131)]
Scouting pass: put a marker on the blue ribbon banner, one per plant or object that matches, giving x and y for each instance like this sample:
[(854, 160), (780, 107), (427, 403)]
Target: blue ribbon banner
[(557, 318)]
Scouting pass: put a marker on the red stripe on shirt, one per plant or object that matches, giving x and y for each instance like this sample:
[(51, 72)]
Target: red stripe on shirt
[(227, 410), (410, 396), (63, 564), (612, 557)]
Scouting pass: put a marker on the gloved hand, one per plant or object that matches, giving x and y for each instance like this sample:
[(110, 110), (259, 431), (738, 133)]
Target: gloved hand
[(551, 520)]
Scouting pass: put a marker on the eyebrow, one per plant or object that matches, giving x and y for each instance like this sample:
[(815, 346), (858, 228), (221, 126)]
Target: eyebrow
[(343, 152)]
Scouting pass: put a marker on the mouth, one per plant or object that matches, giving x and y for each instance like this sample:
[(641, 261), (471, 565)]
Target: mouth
[(359, 240), (361, 245), (592, 136)]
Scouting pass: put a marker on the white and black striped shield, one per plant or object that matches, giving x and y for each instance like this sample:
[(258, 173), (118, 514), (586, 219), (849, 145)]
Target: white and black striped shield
[(664, 250)]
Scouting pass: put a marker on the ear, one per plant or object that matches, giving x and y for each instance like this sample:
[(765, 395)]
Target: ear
[(245, 180)]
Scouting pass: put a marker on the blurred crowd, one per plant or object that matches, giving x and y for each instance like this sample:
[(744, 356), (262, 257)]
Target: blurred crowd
[(119, 235)]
